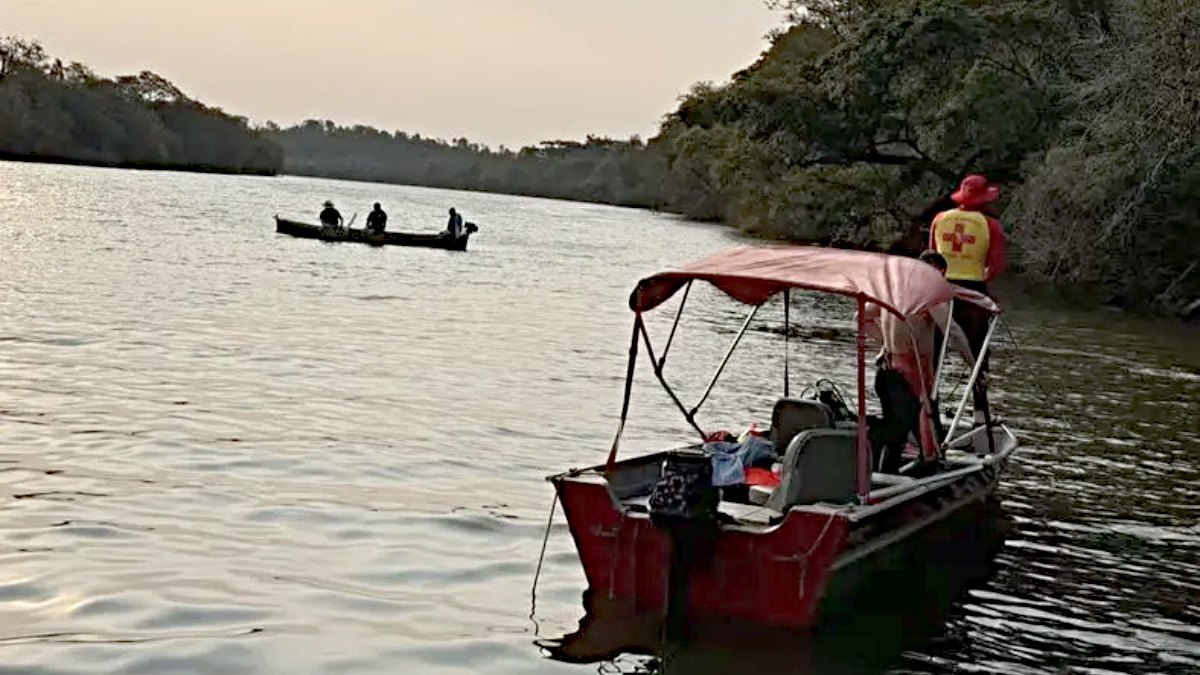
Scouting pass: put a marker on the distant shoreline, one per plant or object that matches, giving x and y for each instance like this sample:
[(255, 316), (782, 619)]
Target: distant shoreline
[(481, 190), (137, 166)]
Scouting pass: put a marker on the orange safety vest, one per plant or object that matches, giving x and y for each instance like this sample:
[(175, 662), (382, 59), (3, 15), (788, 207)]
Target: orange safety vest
[(963, 238)]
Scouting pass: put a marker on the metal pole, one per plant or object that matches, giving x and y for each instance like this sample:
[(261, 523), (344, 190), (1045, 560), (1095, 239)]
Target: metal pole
[(787, 328), (629, 373), (864, 449), (690, 417), (922, 397), (987, 342), (678, 314), (937, 374), (729, 354)]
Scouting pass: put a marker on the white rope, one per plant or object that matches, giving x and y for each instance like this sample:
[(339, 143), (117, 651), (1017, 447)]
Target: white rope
[(541, 558), (812, 549)]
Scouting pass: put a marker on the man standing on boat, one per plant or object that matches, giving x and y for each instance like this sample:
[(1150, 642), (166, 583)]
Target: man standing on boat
[(904, 381), (455, 226), (330, 217), (973, 243), (376, 220), (969, 236)]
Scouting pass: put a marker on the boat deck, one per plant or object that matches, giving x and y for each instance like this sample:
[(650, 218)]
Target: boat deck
[(633, 496)]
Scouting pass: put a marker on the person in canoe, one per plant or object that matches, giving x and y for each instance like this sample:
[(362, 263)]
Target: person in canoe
[(376, 220), (331, 217), (455, 227)]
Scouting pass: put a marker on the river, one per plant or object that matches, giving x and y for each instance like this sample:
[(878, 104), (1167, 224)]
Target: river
[(227, 451)]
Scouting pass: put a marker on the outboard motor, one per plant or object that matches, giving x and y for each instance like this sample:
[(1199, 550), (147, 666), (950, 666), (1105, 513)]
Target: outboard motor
[(684, 506)]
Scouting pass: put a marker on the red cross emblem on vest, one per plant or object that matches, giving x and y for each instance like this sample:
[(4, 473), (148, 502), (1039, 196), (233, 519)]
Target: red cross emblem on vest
[(958, 238)]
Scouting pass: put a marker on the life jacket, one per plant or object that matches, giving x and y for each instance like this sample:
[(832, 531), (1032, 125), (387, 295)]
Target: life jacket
[(963, 238)]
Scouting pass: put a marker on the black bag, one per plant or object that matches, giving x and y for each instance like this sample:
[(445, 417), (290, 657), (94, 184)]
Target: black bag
[(684, 490)]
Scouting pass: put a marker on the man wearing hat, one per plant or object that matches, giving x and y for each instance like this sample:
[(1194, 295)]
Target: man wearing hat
[(330, 217), (973, 244)]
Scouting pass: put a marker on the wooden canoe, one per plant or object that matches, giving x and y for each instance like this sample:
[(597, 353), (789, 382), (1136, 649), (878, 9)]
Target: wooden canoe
[(440, 240)]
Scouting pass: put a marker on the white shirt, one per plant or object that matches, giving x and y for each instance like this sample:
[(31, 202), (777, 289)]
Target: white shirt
[(897, 336)]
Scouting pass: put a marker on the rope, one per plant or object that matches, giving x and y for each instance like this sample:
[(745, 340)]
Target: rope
[(541, 558), (963, 374), (1041, 390), (812, 549)]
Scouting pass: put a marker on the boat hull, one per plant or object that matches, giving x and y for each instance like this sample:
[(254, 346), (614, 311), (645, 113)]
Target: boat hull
[(810, 563), (895, 613), (306, 231)]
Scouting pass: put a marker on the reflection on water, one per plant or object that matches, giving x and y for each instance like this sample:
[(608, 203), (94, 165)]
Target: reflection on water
[(225, 451)]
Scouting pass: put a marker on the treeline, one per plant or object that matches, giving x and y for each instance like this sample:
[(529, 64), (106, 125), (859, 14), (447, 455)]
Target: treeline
[(598, 170), (51, 111)]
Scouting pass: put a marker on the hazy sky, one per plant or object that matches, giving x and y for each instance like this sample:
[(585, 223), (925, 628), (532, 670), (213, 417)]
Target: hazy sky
[(496, 71)]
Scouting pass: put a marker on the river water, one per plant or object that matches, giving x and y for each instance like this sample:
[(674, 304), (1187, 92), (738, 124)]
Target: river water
[(225, 451)]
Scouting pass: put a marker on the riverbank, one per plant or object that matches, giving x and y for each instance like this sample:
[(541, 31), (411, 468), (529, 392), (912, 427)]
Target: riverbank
[(136, 166)]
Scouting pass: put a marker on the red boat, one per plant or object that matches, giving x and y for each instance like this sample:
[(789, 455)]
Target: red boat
[(790, 554)]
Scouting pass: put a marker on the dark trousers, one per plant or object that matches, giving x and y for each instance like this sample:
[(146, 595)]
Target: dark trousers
[(901, 416), (974, 322)]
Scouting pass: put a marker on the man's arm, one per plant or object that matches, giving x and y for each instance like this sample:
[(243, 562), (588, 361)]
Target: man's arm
[(872, 330), (997, 256)]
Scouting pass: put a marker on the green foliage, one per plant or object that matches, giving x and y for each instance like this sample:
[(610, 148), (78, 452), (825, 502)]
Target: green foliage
[(1113, 203), (59, 112), (864, 112)]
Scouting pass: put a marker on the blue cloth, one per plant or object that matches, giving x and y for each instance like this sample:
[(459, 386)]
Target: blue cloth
[(730, 460)]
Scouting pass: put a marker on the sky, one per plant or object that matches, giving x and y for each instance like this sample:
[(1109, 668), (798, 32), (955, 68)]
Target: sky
[(500, 72)]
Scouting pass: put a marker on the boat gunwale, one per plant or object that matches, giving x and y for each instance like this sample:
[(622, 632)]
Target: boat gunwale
[(437, 240), (852, 513)]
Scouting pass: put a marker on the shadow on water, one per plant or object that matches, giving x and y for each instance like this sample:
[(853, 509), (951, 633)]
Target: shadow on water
[(903, 606)]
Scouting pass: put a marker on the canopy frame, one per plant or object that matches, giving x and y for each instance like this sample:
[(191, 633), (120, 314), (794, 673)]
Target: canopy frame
[(670, 283)]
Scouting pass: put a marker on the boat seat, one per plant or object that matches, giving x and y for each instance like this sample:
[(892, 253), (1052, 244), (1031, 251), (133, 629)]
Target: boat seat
[(819, 466), (639, 504), (749, 513), (793, 415)]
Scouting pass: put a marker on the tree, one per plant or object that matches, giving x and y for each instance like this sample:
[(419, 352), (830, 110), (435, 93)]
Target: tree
[(66, 112), (17, 54)]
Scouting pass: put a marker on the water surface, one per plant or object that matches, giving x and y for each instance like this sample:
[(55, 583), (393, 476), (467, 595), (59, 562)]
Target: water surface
[(225, 451)]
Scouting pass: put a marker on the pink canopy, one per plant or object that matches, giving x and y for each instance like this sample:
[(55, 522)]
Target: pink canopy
[(751, 274)]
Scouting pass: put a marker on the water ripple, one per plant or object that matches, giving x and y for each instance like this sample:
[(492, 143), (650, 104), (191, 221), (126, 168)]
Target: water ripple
[(227, 451)]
